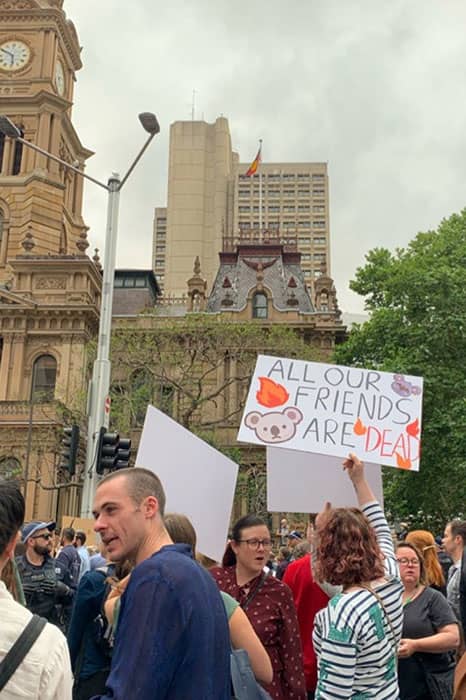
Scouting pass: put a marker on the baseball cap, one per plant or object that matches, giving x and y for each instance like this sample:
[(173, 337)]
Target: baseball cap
[(31, 528), (295, 535)]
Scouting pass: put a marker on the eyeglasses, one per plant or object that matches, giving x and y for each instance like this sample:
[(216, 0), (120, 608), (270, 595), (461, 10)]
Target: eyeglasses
[(405, 561), (44, 537), (254, 543)]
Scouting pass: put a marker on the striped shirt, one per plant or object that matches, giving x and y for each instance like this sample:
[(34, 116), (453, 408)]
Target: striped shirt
[(355, 643)]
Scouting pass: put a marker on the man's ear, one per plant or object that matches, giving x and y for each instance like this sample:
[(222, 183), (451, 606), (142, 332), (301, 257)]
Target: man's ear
[(150, 507)]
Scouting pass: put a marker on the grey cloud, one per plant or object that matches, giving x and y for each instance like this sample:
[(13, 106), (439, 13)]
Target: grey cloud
[(374, 88)]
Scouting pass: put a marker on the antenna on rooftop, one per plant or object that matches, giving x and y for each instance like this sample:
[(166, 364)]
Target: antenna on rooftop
[(193, 106)]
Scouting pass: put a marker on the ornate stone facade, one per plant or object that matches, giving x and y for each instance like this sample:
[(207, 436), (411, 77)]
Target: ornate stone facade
[(49, 288)]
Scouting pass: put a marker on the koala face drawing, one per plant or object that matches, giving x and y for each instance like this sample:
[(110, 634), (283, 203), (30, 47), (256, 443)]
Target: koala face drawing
[(275, 427)]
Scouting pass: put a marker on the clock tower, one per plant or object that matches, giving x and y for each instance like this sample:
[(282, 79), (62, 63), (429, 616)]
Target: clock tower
[(49, 287)]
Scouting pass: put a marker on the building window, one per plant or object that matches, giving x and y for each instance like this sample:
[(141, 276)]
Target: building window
[(259, 305), (288, 176), (118, 282), (243, 208), (318, 193), (10, 468), (303, 207), (304, 224), (317, 176), (303, 175), (18, 155), (318, 224), (273, 176), (140, 282), (141, 393), (319, 240), (319, 256), (2, 148), (44, 375), (304, 241), (244, 193)]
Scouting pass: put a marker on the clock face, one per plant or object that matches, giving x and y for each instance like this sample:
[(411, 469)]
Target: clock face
[(14, 54), (60, 78)]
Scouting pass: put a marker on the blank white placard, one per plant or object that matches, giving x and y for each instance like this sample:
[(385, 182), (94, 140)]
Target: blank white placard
[(199, 481), (299, 482)]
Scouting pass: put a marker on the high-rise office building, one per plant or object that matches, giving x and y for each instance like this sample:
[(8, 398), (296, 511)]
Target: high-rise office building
[(211, 202)]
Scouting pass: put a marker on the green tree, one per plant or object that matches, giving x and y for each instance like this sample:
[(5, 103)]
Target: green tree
[(416, 297)]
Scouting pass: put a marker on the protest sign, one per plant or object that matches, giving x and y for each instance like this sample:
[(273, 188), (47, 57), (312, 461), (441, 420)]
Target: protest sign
[(300, 482), (199, 481), (333, 410)]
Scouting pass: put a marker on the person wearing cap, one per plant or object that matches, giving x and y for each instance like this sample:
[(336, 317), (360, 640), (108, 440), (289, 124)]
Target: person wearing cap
[(40, 574)]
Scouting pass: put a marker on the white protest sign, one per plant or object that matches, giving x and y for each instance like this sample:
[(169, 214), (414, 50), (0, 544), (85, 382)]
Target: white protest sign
[(332, 410), (300, 482), (199, 481)]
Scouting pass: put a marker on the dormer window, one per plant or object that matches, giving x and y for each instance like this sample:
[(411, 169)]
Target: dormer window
[(259, 305)]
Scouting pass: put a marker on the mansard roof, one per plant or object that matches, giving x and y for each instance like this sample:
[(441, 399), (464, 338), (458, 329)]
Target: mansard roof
[(252, 268)]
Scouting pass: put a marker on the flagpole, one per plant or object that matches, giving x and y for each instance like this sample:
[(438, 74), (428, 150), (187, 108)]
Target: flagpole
[(260, 189)]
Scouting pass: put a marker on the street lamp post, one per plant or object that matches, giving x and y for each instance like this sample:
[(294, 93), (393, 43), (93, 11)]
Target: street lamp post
[(99, 385)]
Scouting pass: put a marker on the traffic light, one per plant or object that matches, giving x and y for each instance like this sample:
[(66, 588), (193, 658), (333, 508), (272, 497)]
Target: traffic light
[(113, 452), (107, 447), (123, 453), (70, 448)]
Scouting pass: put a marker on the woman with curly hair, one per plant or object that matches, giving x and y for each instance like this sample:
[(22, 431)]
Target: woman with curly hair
[(424, 541), (356, 637)]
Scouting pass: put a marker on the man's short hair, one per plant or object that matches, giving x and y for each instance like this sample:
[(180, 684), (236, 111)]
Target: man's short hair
[(68, 534), (141, 484), (11, 512), (81, 536), (458, 527)]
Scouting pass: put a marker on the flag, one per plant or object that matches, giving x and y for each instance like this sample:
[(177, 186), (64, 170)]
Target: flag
[(255, 163)]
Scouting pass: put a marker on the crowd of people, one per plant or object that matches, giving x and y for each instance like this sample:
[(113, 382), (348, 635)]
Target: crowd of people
[(343, 611)]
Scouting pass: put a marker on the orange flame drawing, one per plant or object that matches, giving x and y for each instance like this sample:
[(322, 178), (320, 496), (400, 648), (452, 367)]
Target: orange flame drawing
[(403, 463), (413, 428), (271, 394), (359, 428)]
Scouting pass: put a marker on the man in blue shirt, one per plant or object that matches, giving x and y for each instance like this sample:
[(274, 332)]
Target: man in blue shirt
[(172, 640)]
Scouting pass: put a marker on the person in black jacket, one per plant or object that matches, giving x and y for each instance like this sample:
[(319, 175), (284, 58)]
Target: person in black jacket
[(40, 574)]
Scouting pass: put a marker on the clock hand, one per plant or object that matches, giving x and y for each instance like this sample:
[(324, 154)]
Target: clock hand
[(10, 53)]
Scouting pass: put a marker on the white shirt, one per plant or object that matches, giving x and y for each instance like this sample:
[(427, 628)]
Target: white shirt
[(45, 672)]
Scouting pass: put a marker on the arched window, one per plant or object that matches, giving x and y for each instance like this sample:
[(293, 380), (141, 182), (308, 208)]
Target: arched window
[(10, 468), (142, 391), (259, 305), (44, 375)]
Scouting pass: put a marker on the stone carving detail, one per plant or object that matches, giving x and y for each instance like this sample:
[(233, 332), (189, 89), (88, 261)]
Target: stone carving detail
[(51, 283), (18, 5)]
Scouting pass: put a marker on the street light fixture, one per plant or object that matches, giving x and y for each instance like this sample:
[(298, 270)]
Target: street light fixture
[(99, 385)]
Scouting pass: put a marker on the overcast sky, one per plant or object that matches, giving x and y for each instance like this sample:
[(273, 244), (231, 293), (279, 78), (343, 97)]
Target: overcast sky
[(375, 88)]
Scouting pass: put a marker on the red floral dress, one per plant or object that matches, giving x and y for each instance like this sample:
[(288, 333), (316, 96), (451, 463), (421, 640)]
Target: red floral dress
[(272, 613)]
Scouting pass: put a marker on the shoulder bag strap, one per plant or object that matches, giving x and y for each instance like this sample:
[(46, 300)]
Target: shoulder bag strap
[(381, 603), (253, 593), (20, 648)]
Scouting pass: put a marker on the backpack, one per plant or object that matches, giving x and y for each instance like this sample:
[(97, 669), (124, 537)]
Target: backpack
[(243, 682)]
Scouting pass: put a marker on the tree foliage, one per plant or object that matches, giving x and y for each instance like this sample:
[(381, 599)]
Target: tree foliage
[(196, 368), (417, 300)]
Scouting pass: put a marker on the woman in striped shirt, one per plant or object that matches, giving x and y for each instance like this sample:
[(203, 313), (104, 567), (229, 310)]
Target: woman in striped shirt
[(356, 637)]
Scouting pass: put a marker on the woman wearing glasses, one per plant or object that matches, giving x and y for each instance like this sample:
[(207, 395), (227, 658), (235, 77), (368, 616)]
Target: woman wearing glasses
[(430, 634), (267, 602)]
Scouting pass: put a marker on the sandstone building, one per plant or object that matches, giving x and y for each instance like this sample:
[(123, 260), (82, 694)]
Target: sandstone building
[(49, 287)]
